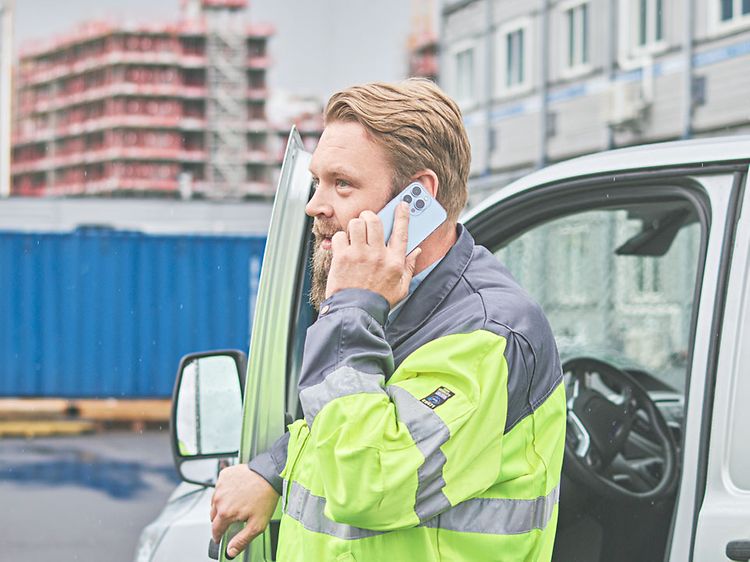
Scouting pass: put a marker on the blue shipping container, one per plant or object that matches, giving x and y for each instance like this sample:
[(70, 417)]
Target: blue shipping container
[(105, 313)]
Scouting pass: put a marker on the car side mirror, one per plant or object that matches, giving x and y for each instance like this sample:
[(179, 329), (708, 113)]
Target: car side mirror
[(206, 420)]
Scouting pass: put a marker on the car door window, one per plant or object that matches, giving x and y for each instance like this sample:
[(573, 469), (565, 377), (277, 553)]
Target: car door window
[(618, 286), (628, 305)]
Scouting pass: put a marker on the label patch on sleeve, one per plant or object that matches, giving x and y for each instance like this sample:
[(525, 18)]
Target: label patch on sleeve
[(438, 397)]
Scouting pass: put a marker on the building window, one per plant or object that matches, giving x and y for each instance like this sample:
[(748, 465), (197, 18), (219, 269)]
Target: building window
[(650, 18), (465, 75), (577, 21), (571, 243), (734, 9), (515, 60), (514, 56), (647, 276)]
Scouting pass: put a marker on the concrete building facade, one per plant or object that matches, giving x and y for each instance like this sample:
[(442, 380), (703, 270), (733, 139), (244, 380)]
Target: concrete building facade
[(544, 80), (168, 110)]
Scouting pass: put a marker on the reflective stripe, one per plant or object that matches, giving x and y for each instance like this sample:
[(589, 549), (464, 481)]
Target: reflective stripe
[(308, 510), (497, 516), (341, 382), (489, 516), (429, 433)]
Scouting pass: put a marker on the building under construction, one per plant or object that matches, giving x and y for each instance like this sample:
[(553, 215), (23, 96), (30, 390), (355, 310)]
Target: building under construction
[(171, 110)]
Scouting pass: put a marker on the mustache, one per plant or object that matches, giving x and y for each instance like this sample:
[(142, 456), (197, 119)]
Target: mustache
[(325, 229)]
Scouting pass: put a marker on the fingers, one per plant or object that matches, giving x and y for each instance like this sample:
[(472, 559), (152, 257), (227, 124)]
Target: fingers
[(374, 227), (219, 526), (411, 262), (339, 241), (240, 541), (357, 232), (400, 234)]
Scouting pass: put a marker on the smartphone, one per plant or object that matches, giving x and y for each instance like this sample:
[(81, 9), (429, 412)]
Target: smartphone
[(426, 214)]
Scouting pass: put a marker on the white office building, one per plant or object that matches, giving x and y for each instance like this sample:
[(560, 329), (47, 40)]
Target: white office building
[(544, 80)]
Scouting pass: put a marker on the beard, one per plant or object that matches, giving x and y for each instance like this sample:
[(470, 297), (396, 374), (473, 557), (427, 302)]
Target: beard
[(321, 259)]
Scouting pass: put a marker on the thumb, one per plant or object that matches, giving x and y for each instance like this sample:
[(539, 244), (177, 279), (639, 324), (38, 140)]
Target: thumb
[(411, 262), (240, 541)]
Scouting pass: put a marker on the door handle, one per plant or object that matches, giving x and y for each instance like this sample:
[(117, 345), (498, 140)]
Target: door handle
[(738, 550), (213, 550)]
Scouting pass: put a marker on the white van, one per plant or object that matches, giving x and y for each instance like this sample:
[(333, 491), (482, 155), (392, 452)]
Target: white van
[(641, 260)]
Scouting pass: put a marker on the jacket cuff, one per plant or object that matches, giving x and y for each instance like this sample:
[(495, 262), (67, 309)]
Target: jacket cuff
[(371, 302), (270, 464), (264, 466)]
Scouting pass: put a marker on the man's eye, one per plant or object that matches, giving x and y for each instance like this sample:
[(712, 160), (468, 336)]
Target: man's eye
[(342, 183), (315, 183)]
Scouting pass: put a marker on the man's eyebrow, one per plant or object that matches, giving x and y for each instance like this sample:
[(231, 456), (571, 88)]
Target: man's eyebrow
[(337, 170)]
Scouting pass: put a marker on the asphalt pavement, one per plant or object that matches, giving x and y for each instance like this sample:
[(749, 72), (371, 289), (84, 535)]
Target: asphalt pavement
[(83, 498)]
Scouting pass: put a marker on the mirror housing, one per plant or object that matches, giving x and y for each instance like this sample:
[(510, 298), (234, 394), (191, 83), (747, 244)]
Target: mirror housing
[(206, 421)]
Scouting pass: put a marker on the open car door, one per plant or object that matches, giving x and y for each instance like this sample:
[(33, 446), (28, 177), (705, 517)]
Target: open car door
[(265, 413)]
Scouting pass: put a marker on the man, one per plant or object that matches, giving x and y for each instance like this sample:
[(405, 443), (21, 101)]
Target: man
[(434, 414)]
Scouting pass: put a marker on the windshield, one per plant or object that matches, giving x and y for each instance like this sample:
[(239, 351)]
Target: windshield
[(617, 284)]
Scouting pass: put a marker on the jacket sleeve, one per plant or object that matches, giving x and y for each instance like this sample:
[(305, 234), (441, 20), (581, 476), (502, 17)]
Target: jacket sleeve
[(270, 463), (394, 456)]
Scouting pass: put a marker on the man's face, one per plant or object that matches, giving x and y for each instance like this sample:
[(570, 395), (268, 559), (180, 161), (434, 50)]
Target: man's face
[(351, 174)]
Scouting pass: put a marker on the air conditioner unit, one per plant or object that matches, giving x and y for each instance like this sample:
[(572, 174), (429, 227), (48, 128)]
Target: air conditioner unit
[(631, 100)]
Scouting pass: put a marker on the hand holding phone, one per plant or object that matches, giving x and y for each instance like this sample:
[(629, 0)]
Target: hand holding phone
[(425, 214), (376, 270)]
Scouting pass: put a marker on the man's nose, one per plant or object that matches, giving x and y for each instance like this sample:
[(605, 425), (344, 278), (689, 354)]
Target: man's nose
[(318, 205)]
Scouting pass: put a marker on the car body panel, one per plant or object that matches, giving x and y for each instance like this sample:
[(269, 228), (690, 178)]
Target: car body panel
[(180, 530), (725, 510), (638, 158)]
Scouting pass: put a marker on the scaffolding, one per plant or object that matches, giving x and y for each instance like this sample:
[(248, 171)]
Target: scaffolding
[(227, 85)]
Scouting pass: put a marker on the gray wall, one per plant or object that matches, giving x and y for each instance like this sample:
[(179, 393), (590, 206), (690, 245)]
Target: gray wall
[(150, 216)]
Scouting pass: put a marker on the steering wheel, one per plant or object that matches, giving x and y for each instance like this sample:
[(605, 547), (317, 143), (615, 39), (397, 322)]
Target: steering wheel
[(602, 419)]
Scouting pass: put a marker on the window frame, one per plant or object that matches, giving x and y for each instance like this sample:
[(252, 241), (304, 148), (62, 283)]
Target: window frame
[(737, 22), (630, 46), (502, 87), (463, 47), (576, 294), (582, 44), (465, 72), (651, 274)]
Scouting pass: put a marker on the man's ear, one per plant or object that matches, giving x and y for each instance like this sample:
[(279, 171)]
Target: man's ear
[(428, 179)]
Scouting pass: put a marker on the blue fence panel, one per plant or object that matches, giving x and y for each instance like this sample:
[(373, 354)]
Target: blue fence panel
[(100, 313)]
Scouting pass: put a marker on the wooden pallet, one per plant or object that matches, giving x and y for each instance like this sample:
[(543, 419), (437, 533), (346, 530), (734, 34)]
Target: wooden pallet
[(45, 428), (41, 414)]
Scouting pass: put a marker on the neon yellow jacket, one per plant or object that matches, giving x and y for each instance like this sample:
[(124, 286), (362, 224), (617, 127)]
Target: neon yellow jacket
[(436, 436)]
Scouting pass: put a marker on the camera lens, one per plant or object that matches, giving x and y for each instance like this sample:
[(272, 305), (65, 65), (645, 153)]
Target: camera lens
[(407, 198), (419, 204), (416, 190)]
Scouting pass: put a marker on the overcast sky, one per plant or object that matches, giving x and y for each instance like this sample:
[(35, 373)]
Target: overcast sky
[(320, 46)]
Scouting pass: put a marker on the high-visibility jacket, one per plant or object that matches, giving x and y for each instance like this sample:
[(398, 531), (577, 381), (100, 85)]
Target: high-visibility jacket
[(438, 436)]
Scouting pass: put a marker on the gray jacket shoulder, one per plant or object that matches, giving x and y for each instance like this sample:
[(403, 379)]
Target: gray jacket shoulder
[(488, 297)]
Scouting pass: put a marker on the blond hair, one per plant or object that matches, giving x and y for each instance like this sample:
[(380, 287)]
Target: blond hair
[(419, 127)]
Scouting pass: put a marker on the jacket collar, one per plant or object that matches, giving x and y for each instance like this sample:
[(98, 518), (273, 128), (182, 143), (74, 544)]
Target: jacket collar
[(428, 296)]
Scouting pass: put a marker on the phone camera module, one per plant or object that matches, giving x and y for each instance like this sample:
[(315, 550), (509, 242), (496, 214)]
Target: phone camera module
[(416, 190), (407, 198), (419, 204)]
